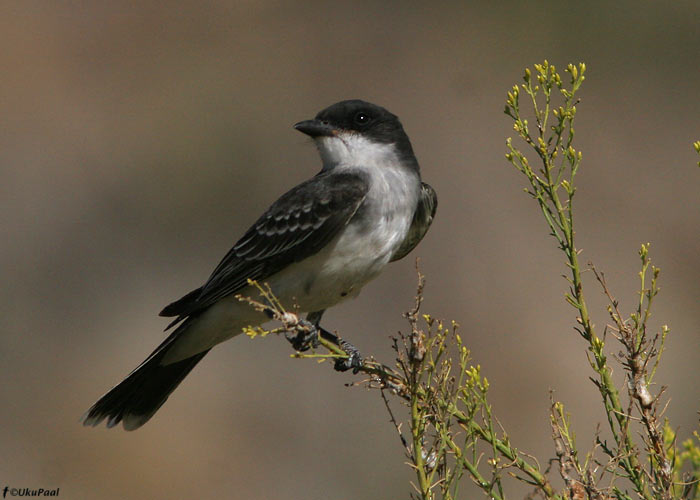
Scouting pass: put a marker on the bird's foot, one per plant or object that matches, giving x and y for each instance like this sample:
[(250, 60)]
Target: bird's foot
[(352, 362), (308, 337), (305, 338)]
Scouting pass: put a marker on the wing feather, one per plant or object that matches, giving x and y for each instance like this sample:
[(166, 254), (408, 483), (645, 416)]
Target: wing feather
[(295, 227), (422, 219)]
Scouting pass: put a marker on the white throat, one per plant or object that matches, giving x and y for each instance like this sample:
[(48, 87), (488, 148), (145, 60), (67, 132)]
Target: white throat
[(352, 149)]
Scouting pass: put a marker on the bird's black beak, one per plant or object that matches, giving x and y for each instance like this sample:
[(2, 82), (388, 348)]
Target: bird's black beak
[(315, 128)]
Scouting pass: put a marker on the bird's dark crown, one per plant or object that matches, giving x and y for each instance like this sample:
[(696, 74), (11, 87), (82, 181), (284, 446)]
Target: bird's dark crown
[(372, 121), (363, 117)]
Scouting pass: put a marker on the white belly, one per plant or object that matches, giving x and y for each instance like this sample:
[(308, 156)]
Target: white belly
[(337, 272)]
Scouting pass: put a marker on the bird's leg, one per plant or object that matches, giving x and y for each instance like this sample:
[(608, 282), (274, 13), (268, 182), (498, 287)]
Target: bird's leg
[(352, 362), (302, 341)]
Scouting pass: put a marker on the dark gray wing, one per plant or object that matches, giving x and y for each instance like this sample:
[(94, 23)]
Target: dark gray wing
[(422, 218), (296, 226)]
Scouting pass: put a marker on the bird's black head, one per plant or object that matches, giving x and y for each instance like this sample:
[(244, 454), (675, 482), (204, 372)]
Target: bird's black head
[(368, 120)]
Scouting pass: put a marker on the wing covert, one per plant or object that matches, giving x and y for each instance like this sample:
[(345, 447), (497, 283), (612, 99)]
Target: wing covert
[(422, 219), (296, 226)]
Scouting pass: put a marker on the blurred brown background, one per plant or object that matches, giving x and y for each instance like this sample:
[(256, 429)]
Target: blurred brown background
[(138, 140)]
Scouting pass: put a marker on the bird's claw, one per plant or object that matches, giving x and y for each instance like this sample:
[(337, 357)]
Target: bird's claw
[(352, 362), (305, 338)]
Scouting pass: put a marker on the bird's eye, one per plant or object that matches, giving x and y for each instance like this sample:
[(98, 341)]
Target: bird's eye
[(361, 118)]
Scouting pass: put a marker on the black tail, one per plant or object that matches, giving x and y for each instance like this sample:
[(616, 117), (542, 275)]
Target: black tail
[(134, 401)]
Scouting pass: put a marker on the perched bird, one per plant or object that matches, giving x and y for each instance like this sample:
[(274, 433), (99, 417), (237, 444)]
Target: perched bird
[(316, 246)]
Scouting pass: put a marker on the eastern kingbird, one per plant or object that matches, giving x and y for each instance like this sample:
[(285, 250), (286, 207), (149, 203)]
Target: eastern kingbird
[(316, 246)]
